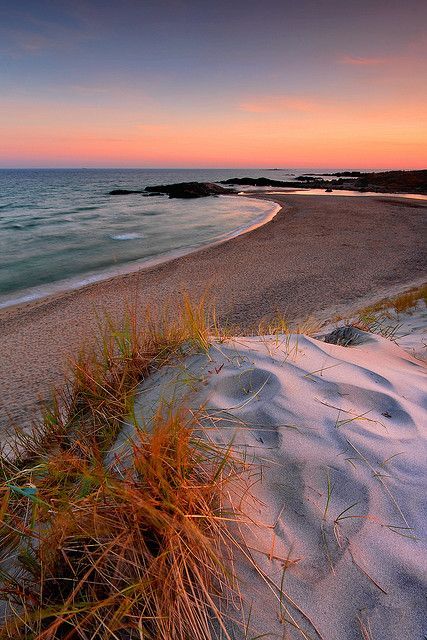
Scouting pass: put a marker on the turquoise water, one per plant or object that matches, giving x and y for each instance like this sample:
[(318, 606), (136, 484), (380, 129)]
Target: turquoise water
[(61, 229)]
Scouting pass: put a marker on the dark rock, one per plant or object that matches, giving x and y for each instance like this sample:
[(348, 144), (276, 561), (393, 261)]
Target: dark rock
[(393, 182), (312, 183), (190, 190), (329, 190), (256, 182), (346, 174), (345, 336), (123, 192)]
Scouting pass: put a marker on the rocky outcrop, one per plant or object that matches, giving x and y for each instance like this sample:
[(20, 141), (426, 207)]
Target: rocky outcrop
[(299, 183), (178, 190), (394, 182), (381, 182), (347, 174), (190, 189), (256, 182), (347, 336)]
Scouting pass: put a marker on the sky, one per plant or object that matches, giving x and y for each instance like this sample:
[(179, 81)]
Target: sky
[(195, 83)]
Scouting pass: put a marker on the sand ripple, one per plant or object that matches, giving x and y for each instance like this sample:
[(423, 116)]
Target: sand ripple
[(314, 415)]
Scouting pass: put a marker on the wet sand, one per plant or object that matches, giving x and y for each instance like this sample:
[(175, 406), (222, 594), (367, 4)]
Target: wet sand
[(318, 256)]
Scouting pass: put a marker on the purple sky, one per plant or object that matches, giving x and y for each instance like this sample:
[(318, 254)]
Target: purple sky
[(139, 83)]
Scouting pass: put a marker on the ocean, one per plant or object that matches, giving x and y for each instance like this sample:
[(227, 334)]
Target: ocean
[(59, 228)]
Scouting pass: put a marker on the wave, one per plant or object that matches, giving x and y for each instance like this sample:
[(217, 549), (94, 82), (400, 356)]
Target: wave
[(127, 236), (21, 226), (102, 237), (14, 225), (86, 208)]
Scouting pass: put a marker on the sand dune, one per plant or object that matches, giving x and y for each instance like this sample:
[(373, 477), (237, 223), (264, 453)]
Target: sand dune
[(320, 419)]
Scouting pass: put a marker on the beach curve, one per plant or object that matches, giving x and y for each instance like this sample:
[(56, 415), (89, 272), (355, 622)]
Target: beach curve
[(302, 263)]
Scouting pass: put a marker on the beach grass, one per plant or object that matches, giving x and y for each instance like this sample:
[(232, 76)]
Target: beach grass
[(383, 316), (99, 540), (97, 549), (140, 541), (400, 303)]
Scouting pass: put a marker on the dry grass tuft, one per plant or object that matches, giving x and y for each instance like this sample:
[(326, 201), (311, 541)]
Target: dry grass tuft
[(103, 377), (382, 317), (278, 325), (94, 550), (401, 303)]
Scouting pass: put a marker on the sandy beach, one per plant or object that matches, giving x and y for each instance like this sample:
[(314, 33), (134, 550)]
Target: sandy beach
[(317, 257)]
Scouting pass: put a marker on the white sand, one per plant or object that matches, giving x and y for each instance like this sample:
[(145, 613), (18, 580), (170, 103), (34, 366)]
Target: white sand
[(408, 329), (411, 333), (310, 413)]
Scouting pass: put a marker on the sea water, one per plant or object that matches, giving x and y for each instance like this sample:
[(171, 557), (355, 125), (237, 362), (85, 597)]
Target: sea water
[(60, 229)]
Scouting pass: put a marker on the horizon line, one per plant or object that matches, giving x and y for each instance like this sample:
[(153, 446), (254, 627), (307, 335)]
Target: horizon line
[(200, 168)]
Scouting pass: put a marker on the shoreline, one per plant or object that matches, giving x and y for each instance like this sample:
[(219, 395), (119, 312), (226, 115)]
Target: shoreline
[(315, 257), (68, 285)]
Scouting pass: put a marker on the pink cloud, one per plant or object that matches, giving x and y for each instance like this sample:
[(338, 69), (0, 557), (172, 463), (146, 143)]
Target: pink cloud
[(362, 62)]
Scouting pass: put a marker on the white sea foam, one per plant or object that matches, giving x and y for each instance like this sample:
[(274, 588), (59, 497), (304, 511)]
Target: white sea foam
[(127, 236)]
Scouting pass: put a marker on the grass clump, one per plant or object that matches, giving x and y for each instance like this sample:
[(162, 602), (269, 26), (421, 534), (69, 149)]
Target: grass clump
[(381, 324), (91, 549), (105, 375), (382, 317), (403, 302)]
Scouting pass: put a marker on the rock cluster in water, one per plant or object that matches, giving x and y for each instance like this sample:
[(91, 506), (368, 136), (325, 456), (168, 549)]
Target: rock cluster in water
[(124, 192), (178, 190), (190, 189)]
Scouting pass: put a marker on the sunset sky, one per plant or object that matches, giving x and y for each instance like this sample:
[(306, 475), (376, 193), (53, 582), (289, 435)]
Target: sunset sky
[(187, 83)]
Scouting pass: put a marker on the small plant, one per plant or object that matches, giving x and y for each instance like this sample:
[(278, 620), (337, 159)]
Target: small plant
[(381, 324), (330, 488)]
